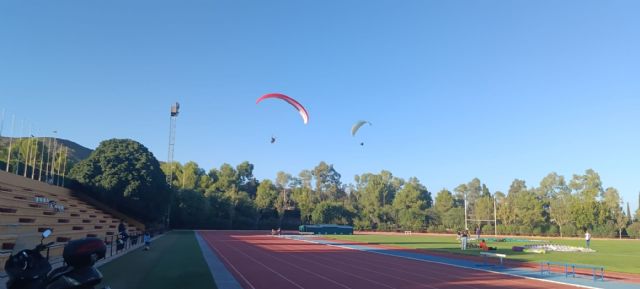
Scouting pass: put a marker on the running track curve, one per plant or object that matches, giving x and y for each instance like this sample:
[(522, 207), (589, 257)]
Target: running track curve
[(260, 261)]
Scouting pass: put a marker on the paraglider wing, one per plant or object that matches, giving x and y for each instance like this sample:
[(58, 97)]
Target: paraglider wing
[(357, 126), (291, 101)]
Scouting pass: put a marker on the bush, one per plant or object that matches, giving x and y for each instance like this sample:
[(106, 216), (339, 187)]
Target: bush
[(569, 230), (553, 231), (487, 230), (607, 230), (524, 230), (634, 230), (361, 225), (437, 229)]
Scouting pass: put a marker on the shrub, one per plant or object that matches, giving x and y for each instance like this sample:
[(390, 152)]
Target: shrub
[(553, 231), (634, 230), (569, 230)]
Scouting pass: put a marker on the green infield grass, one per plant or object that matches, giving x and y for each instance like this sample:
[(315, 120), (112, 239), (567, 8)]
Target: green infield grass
[(614, 255), (174, 262)]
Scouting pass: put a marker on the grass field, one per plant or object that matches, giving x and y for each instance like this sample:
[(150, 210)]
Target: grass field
[(174, 262), (614, 255)]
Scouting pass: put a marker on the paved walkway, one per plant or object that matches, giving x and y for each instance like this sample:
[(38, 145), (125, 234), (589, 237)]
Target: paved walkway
[(528, 273)]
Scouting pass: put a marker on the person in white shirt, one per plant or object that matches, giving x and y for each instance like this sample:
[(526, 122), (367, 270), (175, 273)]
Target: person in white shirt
[(587, 237)]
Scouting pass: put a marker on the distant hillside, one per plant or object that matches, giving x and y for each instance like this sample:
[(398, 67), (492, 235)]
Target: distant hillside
[(76, 151)]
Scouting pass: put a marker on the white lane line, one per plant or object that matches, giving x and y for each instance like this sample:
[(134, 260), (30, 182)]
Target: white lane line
[(229, 263), (458, 266)]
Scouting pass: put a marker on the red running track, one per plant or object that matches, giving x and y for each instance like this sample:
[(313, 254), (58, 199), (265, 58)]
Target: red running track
[(258, 261)]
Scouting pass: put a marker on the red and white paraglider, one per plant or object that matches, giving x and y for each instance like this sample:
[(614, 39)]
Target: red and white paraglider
[(301, 110), (291, 101)]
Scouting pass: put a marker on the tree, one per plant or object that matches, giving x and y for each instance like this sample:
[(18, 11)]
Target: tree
[(190, 176), (376, 193), (483, 209), (331, 212), (638, 210), (327, 182), (282, 181), (245, 181), (223, 179), (305, 201), (550, 186), (190, 210), (622, 221), (266, 198), (521, 208), (444, 201), (411, 203), (124, 174), (560, 209), (587, 188)]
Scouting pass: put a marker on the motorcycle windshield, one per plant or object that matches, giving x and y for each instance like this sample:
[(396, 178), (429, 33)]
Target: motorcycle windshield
[(23, 240)]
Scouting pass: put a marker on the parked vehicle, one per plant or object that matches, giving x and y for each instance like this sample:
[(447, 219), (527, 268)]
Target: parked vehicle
[(29, 269)]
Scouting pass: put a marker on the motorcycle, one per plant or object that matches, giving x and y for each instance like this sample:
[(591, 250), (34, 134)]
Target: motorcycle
[(29, 269)]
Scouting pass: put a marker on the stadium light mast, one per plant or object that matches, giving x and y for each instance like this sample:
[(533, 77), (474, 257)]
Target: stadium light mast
[(175, 110)]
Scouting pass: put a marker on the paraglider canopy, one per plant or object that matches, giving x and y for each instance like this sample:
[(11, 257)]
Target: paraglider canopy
[(291, 101), (357, 126)]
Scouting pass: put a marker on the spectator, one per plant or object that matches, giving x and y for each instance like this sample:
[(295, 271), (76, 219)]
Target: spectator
[(483, 245), (147, 241), (465, 236), (587, 237), (122, 227), (478, 231)]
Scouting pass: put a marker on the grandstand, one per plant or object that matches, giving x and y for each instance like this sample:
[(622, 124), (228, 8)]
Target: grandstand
[(28, 207)]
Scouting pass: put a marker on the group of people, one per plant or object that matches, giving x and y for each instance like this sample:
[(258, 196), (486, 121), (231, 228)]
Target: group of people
[(123, 236)]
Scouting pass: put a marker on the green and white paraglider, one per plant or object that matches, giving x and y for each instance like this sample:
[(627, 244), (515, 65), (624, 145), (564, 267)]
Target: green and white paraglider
[(356, 127)]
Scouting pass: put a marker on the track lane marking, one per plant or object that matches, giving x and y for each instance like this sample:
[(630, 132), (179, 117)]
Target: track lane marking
[(296, 266), (453, 265), (265, 266), (229, 263)]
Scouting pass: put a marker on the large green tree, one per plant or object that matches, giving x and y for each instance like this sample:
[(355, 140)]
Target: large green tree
[(126, 175), (411, 204)]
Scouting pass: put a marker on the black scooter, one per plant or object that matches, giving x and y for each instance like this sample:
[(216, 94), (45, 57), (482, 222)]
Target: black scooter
[(28, 269)]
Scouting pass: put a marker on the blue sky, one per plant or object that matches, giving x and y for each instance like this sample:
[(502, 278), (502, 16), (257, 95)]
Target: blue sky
[(455, 89)]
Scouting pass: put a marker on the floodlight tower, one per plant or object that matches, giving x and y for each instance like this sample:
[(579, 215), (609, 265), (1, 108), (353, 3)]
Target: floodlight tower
[(175, 109)]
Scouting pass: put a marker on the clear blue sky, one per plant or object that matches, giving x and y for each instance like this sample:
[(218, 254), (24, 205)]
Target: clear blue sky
[(455, 89)]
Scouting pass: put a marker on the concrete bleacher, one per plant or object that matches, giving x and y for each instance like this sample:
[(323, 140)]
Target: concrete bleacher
[(28, 207)]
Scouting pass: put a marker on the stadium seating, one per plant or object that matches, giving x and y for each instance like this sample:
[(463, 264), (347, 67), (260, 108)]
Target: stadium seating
[(28, 207)]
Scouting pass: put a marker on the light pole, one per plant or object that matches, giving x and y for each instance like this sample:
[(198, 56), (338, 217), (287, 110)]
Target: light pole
[(13, 120), (173, 116), (28, 159), (465, 212), (64, 169), (41, 160), (19, 147)]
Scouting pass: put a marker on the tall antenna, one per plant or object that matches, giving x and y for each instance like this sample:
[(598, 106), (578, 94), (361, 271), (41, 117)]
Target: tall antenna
[(175, 109)]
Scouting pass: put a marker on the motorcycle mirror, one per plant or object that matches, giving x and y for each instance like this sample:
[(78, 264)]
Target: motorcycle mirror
[(46, 233)]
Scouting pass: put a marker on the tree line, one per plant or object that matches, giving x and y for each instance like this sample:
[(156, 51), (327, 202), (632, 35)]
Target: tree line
[(125, 174)]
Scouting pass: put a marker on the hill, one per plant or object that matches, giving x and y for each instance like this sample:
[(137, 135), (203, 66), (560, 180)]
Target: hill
[(76, 151)]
